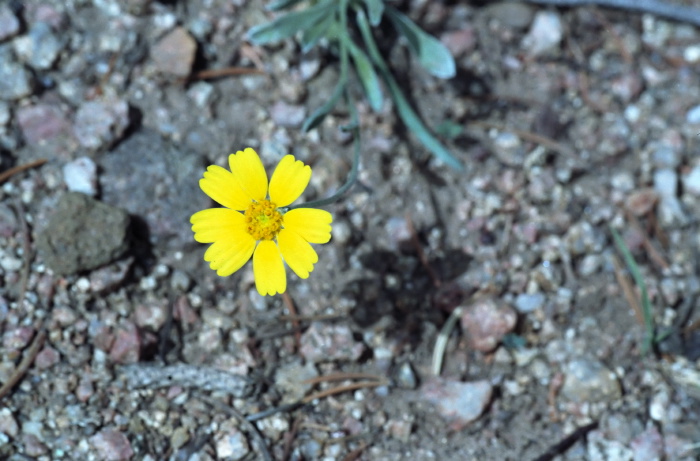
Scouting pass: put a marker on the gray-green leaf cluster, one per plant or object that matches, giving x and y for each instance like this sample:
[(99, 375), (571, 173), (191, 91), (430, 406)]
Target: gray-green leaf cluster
[(329, 19)]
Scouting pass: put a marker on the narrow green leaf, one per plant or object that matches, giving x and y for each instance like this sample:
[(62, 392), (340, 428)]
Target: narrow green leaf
[(319, 114), (313, 34), (289, 24), (449, 129), (639, 280), (375, 9), (281, 4), (408, 116), (366, 73), (431, 53)]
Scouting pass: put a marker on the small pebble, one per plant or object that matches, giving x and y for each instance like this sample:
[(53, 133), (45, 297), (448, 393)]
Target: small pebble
[(691, 181), (80, 175), (526, 303), (174, 53), (9, 24), (545, 34), (40, 47), (458, 402), (486, 322), (406, 377), (588, 380), (112, 445)]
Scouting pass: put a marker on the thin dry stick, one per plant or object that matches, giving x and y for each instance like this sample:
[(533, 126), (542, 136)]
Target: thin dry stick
[(4, 176), (421, 254), (529, 136), (628, 290), (227, 72), (24, 365), (295, 323), (341, 377), (654, 254), (341, 389), (353, 455), (289, 437)]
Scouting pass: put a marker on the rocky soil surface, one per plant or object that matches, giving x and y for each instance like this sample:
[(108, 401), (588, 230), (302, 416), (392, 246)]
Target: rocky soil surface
[(119, 343)]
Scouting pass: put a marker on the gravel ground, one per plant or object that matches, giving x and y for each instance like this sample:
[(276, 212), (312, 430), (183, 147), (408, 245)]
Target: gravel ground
[(118, 342)]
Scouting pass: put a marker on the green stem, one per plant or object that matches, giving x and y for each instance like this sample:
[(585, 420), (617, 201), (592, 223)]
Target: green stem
[(354, 126)]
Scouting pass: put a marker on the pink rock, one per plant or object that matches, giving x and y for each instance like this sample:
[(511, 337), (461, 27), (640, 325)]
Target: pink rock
[(458, 402), (174, 53), (47, 358), (101, 122), (85, 390), (642, 201), (459, 42), (112, 445), (486, 322), (33, 446), (151, 316), (41, 122), (17, 338), (184, 312), (127, 345)]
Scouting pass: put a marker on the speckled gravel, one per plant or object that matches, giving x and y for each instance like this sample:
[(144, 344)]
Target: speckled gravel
[(573, 121)]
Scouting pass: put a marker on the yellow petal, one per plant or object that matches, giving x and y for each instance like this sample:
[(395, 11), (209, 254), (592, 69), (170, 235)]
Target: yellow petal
[(312, 224), (214, 224), (297, 253), (250, 173), (222, 186), (289, 180), (268, 269), (232, 245)]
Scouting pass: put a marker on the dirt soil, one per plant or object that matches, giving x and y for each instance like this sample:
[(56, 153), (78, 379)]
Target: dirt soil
[(119, 342)]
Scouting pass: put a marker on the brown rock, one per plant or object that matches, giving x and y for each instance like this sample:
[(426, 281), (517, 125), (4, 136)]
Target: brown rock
[(127, 345), (174, 53)]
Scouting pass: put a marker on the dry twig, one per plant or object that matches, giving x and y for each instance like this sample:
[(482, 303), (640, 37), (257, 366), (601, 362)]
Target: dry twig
[(628, 291), (24, 365), (5, 175)]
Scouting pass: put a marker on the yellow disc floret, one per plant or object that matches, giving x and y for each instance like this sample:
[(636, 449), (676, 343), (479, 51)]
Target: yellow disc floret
[(263, 221)]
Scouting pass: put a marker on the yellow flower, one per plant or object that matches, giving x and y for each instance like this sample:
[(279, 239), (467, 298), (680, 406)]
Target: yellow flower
[(255, 224)]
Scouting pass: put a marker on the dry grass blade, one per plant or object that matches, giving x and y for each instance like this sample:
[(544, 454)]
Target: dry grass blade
[(293, 313), (342, 377), (341, 389), (443, 337), (24, 365), (529, 136), (4, 176), (628, 290), (227, 72)]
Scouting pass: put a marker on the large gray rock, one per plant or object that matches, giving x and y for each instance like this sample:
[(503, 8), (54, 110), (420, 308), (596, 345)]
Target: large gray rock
[(157, 182), (83, 234)]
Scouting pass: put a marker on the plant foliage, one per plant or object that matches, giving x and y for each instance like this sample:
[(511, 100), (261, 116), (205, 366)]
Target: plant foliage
[(328, 19)]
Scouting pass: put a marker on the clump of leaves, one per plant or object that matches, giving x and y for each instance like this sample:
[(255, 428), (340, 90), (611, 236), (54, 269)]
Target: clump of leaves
[(329, 19)]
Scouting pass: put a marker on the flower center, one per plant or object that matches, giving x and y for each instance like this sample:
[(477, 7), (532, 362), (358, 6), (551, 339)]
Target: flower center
[(263, 220)]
